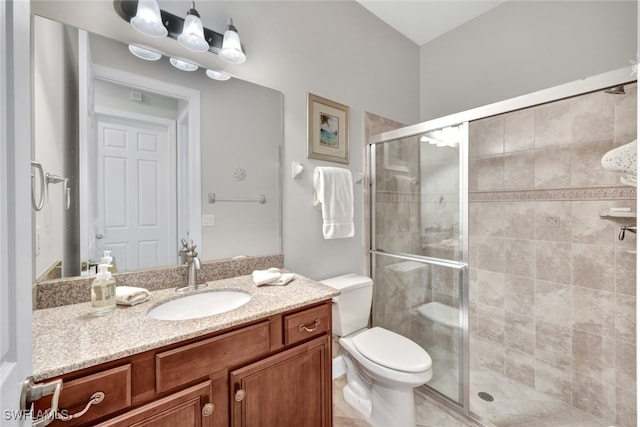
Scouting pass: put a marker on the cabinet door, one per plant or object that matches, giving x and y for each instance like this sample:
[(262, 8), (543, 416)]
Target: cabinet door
[(292, 388), (190, 407)]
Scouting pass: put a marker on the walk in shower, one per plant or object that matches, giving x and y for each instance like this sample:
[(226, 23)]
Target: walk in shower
[(495, 245)]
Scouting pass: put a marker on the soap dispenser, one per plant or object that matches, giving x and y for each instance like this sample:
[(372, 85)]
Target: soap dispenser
[(103, 292), (110, 260)]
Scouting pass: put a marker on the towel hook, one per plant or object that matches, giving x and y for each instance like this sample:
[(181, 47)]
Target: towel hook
[(296, 169)]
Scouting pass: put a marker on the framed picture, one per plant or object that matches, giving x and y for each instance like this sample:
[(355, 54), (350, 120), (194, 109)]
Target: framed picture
[(328, 124)]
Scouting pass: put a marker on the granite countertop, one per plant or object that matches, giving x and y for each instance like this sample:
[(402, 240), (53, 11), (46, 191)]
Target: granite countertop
[(69, 338)]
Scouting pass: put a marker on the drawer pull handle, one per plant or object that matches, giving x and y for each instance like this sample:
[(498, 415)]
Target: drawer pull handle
[(207, 409), (95, 399), (303, 327), (240, 395)]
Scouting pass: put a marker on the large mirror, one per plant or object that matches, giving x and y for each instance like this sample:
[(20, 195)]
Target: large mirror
[(133, 156)]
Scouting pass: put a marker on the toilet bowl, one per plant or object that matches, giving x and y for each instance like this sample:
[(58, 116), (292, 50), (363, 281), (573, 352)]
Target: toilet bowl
[(382, 366)]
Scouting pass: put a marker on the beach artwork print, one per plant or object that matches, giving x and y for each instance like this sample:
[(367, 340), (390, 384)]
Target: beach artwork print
[(328, 130), (329, 127)]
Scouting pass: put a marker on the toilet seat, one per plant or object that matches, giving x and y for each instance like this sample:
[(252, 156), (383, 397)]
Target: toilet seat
[(391, 350)]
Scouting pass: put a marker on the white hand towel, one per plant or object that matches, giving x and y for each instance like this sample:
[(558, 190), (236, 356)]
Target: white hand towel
[(272, 276), (262, 277), (333, 189), (283, 280), (130, 295)]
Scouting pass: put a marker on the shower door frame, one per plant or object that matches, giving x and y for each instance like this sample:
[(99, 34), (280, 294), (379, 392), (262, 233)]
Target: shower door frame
[(578, 87), (461, 265)]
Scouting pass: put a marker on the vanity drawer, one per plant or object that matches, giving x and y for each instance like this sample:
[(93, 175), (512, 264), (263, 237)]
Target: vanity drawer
[(306, 324), (198, 360), (114, 383)]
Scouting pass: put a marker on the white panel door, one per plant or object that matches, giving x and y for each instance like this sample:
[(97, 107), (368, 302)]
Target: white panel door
[(137, 191), (15, 209)]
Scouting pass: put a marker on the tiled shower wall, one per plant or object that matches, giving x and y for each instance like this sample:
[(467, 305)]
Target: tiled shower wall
[(552, 288)]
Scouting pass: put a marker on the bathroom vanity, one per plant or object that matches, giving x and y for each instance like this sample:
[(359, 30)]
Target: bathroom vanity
[(266, 363)]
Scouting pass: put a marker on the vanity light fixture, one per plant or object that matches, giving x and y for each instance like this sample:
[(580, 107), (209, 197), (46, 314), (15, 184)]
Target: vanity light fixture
[(147, 17), (183, 65), (231, 51), (148, 20), (146, 54), (217, 75), (192, 36)]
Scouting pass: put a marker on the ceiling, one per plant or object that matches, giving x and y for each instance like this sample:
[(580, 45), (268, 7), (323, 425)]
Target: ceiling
[(424, 20)]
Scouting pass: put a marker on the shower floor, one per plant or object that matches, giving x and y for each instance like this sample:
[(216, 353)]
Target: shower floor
[(517, 405)]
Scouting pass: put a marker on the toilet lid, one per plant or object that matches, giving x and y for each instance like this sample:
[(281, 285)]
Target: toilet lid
[(392, 350)]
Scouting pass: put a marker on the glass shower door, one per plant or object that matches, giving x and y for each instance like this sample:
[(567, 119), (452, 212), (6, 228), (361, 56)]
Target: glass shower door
[(419, 247)]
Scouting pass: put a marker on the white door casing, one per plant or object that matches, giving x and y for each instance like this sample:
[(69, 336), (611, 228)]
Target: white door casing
[(136, 191), (16, 267)]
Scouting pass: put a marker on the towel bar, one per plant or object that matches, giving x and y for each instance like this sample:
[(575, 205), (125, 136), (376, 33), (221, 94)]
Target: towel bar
[(260, 199)]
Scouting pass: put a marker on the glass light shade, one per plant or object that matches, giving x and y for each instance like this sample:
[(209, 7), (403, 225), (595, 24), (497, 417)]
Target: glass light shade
[(192, 36), (183, 65), (143, 53), (148, 20), (231, 51), (217, 75)]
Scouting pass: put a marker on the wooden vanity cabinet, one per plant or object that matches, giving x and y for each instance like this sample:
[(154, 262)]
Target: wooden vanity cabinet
[(272, 372)]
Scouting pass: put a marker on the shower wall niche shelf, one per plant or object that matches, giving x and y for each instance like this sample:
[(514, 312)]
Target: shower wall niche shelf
[(609, 213)]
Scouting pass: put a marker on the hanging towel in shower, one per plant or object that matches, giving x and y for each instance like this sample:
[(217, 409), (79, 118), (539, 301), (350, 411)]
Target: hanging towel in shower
[(333, 189)]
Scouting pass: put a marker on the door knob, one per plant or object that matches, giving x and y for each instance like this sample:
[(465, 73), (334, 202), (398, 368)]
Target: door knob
[(240, 395)]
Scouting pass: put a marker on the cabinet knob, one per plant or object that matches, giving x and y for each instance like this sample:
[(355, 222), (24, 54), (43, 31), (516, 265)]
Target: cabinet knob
[(240, 395), (207, 409)]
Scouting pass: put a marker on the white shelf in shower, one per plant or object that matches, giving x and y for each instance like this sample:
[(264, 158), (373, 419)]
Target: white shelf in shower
[(607, 213)]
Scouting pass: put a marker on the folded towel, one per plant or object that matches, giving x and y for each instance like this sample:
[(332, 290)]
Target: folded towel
[(272, 276), (333, 189), (130, 295), (283, 280), (261, 277)]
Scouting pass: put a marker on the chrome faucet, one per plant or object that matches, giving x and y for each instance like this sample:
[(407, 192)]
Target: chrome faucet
[(193, 265)]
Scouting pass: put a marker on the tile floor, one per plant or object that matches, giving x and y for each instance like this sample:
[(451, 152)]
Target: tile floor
[(428, 413), (515, 405)]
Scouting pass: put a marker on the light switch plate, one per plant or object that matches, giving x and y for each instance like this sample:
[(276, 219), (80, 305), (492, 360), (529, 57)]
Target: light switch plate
[(208, 220)]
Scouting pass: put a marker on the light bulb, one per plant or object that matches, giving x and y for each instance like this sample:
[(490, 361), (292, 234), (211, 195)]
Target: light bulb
[(148, 20)]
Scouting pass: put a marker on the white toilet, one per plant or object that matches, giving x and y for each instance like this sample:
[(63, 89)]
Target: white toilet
[(382, 367)]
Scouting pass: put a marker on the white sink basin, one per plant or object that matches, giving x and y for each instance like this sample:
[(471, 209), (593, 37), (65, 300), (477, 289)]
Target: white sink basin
[(199, 305)]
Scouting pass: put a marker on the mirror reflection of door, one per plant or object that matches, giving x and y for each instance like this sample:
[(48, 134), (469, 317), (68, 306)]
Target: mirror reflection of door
[(136, 187)]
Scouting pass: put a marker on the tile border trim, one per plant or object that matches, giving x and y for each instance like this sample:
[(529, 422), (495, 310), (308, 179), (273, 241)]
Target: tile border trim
[(561, 194)]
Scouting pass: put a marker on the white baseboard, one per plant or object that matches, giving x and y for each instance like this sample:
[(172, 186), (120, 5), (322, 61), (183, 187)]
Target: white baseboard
[(338, 367)]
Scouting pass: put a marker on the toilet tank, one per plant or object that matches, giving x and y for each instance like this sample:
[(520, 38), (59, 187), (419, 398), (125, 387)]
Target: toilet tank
[(352, 307)]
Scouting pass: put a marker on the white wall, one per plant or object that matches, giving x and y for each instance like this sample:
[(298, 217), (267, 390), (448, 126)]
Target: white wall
[(337, 50), (524, 46)]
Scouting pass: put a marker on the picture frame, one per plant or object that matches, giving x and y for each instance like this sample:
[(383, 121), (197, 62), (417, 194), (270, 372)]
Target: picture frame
[(328, 126)]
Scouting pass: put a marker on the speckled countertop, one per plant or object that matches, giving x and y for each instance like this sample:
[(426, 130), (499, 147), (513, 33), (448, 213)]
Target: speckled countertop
[(69, 338)]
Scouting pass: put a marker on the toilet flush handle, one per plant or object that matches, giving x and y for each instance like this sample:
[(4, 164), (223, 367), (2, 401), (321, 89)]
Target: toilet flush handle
[(303, 327)]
